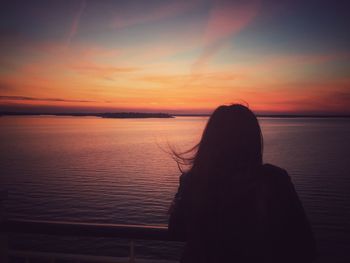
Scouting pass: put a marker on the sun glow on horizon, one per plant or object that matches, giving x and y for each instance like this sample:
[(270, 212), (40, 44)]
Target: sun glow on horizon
[(172, 56)]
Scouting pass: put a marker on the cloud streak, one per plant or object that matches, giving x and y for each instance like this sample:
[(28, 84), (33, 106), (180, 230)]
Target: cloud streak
[(100, 70), (226, 19), (161, 12), (6, 87), (75, 25), (25, 98), (179, 78)]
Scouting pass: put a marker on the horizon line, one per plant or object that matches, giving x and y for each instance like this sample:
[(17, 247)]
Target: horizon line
[(92, 114)]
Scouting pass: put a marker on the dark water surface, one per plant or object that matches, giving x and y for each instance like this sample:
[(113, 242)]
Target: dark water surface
[(90, 169)]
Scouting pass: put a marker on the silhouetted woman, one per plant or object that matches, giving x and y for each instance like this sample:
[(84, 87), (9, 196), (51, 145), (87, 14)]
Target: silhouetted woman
[(230, 207)]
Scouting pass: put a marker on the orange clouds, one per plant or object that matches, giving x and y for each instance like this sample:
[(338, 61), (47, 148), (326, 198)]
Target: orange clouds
[(121, 66), (177, 79), (69, 83), (312, 96), (93, 69)]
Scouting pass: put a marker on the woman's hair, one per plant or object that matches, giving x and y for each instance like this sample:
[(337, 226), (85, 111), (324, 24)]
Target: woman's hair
[(229, 152), (231, 141)]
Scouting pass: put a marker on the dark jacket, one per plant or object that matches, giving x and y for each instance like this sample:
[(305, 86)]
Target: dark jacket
[(248, 218)]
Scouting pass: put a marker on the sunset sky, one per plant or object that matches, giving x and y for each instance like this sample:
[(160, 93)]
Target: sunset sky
[(175, 56)]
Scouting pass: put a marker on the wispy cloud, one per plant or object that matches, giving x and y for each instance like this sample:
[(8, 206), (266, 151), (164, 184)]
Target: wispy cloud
[(75, 25), (163, 11), (304, 59), (24, 98), (226, 19), (179, 78), (101, 70), (317, 96), (4, 87)]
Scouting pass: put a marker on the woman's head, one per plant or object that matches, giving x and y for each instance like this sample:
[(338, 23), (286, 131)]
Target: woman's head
[(231, 140)]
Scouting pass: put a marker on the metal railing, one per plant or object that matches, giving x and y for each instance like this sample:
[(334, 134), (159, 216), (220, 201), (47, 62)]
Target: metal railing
[(130, 232)]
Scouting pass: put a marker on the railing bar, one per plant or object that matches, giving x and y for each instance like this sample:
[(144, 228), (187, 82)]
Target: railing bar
[(52, 256), (4, 258), (27, 255), (53, 222), (132, 252), (159, 233), (3, 248)]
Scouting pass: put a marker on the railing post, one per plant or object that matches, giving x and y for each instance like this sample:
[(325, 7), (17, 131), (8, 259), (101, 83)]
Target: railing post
[(4, 256), (3, 248), (132, 252)]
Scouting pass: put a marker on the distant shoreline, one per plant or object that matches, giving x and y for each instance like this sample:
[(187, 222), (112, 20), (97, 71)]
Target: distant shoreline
[(143, 115), (113, 115), (276, 115)]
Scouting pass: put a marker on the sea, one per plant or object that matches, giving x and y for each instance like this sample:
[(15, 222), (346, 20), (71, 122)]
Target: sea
[(104, 170)]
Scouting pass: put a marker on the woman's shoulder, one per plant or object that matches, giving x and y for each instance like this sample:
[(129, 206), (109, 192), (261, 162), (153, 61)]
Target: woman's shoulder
[(275, 173), (184, 181), (185, 177), (274, 170)]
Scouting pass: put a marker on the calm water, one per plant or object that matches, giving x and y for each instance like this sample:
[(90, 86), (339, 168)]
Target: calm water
[(118, 171)]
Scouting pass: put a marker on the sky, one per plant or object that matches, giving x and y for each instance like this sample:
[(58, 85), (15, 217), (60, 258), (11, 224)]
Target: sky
[(278, 57)]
